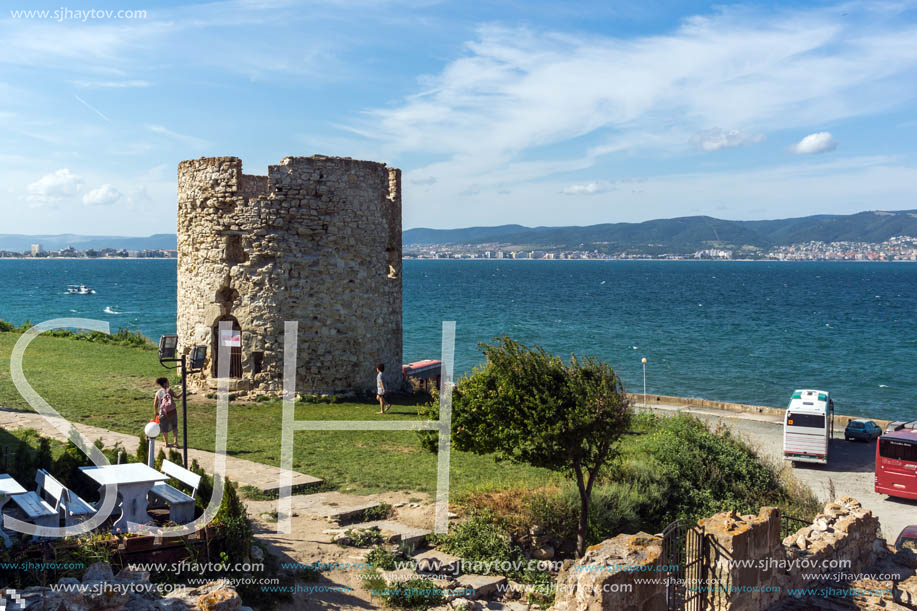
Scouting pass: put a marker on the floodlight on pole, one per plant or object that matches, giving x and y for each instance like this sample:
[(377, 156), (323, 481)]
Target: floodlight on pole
[(168, 348), (643, 360)]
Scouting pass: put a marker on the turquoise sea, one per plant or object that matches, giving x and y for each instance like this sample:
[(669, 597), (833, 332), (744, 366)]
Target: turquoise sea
[(734, 331)]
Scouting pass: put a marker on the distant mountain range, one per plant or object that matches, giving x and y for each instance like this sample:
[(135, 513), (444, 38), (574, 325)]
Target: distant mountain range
[(22, 243), (679, 234)]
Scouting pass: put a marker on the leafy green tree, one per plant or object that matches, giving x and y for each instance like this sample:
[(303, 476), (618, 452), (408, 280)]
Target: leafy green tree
[(527, 406), (43, 460)]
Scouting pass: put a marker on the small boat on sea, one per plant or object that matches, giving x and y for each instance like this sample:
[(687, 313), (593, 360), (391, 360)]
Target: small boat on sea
[(80, 289)]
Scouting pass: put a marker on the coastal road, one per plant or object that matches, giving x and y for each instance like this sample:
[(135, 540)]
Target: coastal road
[(850, 468)]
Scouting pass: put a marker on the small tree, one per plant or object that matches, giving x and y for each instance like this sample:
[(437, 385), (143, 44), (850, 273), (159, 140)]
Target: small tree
[(527, 406)]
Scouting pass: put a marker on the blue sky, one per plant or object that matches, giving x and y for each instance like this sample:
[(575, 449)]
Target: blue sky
[(539, 113)]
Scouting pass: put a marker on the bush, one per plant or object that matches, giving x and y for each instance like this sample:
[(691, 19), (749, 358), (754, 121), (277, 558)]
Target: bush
[(381, 558), (417, 593), (695, 472), (234, 517), (675, 468), (364, 537), (379, 512), (482, 537), (121, 337)]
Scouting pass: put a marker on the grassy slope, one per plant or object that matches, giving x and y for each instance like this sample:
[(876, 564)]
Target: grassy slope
[(112, 387)]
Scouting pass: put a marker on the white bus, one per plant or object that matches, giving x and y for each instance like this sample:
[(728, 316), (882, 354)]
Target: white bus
[(808, 426)]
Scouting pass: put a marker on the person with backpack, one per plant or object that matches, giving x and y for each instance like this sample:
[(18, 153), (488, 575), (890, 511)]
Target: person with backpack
[(164, 407)]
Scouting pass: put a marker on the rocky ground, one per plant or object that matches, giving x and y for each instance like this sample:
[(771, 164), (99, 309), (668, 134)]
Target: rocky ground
[(129, 590), (319, 526)]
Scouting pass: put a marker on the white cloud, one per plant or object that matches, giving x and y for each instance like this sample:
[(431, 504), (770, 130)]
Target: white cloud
[(52, 188), (102, 196), (716, 139), (589, 188), (571, 102), (819, 142)]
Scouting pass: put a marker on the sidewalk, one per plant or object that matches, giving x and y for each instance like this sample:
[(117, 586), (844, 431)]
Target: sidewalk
[(244, 472)]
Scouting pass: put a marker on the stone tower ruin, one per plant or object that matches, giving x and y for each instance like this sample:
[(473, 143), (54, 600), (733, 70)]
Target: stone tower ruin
[(318, 241)]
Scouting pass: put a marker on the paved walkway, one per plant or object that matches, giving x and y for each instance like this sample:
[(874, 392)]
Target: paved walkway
[(245, 472)]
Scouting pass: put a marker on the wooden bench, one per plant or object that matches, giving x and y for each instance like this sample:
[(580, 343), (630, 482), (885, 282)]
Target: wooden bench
[(181, 506), (36, 510), (71, 507)]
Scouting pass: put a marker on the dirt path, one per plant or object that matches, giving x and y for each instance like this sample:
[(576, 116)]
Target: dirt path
[(850, 468)]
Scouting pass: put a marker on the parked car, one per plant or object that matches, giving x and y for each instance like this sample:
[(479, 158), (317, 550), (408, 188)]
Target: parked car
[(866, 430), (907, 539)]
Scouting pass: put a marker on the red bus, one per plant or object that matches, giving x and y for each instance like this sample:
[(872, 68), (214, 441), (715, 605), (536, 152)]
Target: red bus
[(896, 460)]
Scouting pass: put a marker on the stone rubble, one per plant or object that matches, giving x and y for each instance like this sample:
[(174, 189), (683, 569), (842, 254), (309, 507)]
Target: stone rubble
[(91, 594)]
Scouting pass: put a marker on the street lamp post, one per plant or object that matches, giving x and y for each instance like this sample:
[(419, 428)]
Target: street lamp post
[(643, 360), (168, 346)]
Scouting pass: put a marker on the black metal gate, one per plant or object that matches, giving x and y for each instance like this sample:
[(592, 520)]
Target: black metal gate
[(684, 547)]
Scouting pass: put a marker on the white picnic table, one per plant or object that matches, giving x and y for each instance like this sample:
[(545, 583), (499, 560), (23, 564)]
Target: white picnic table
[(134, 481), (8, 487)]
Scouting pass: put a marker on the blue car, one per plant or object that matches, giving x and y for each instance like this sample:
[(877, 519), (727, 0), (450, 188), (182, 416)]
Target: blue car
[(865, 430)]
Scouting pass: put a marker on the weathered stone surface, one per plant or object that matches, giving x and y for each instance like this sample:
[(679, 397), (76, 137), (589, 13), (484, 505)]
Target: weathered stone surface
[(438, 563), (223, 599), (216, 595), (317, 241), (748, 555), (598, 580), (482, 586), (545, 552), (100, 571)]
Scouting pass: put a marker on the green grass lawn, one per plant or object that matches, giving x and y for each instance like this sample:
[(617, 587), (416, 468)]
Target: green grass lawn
[(112, 387)]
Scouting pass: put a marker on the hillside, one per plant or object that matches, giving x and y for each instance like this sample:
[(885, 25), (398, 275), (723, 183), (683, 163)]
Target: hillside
[(677, 234), (683, 233)]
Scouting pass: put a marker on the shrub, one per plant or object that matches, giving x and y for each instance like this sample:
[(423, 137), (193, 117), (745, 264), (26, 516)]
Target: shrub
[(364, 537), (43, 458), (121, 337), (482, 537), (379, 512), (381, 558), (676, 468), (417, 593), (234, 517)]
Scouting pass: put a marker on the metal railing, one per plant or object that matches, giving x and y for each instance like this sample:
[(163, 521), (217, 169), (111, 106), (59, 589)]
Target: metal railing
[(790, 525)]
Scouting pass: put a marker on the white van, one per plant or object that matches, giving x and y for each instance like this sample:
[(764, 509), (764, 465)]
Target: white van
[(808, 426)]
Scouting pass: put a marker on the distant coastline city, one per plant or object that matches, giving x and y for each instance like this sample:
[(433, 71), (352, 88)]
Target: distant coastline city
[(876, 235), (899, 248), (37, 251)]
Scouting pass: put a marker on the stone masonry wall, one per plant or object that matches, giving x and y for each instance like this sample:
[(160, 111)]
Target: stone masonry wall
[(843, 532), (749, 566), (603, 579), (318, 241)]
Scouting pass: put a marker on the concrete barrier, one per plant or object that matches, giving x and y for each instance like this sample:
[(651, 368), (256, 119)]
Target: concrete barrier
[(840, 420)]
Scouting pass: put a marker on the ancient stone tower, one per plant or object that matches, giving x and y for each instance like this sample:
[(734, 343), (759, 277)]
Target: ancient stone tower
[(317, 240)]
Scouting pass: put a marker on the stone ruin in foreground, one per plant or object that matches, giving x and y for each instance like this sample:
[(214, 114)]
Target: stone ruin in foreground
[(747, 564), (318, 241)]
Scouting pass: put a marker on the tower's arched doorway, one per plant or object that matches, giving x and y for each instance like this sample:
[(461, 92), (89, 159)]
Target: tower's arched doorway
[(231, 339)]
